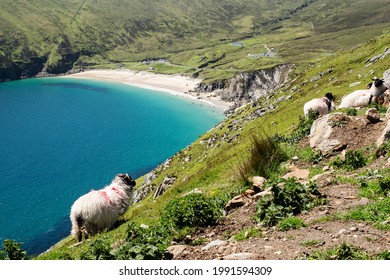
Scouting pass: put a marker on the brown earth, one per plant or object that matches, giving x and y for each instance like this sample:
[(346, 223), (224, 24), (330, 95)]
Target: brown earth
[(321, 232)]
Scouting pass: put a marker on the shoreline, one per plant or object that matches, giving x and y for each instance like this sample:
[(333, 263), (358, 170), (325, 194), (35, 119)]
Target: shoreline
[(177, 85)]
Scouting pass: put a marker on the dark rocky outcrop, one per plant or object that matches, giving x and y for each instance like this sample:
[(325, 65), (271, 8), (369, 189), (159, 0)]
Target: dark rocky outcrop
[(20, 70)]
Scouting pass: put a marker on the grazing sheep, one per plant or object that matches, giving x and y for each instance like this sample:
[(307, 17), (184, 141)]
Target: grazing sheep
[(321, 106), (98, 210), (364, 97)]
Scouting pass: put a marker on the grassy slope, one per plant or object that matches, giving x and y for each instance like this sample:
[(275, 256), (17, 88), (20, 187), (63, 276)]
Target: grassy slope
[(189, 33), (212, 169), (120, 30)]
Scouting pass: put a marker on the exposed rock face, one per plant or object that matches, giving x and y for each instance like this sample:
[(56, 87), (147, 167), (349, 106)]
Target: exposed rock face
[(247, 87), (337, 132), (18, 70), (321, 133)]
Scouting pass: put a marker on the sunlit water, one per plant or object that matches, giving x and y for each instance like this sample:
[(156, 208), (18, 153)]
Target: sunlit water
[(61, 137)]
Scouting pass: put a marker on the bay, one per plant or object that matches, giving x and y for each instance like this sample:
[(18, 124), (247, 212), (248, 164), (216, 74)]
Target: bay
[(62, 137)]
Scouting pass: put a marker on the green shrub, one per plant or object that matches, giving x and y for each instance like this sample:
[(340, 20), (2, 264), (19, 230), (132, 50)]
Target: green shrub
[(341, 252), (384, 185), (351, 111), (194, 210), (288, 198), (264, 159), (290, 223), (139, 244), (100, 249), (144, 243), (12, 251), (353, 160)]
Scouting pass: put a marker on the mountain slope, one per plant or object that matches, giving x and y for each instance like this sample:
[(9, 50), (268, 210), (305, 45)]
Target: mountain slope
[(212, 163), (55, 36)]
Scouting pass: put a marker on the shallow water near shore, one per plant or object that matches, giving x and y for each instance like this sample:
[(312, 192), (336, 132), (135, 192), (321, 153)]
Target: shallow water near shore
[(61, 137)]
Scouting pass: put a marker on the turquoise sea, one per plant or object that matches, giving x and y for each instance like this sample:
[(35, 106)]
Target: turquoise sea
[(62, 137)]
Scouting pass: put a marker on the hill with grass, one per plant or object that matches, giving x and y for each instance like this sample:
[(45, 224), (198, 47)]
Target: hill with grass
[(207, 195), (209, 39), (336, 208)]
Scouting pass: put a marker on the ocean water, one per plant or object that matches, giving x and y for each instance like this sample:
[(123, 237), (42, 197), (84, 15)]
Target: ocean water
[(62, 137)]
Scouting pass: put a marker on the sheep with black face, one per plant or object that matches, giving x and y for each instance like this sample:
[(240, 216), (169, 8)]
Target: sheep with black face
[(364, 97), (321, 106), (99, 210)]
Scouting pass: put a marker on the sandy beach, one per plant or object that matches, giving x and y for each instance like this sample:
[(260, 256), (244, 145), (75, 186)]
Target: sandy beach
[(174, 84)]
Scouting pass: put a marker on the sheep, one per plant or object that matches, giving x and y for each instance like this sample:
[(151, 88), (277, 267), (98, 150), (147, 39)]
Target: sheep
[(99, 210), (321, 106), (364, 97)]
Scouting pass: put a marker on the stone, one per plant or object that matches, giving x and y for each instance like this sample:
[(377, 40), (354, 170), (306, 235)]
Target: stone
[(242, 256), (321, 134), (258, 183), (300, 174), (236, 202), (174, 251), (343, 231), (373, 116), (353, 229), (385, 135), (215, 243), (262, 194), (250, 192)]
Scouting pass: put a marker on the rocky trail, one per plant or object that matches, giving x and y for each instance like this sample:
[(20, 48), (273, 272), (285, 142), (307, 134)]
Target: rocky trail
[(322, 230)]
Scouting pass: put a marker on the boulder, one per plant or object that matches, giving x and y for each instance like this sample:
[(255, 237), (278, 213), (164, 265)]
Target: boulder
[(258, 183), (321, 134), (299, 174), (373, 116), (385, 135)]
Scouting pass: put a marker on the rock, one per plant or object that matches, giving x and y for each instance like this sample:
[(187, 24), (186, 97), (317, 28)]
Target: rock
[(250, 192), (353, 229), (174, 251), (343, 231), (235, 203), (168, 181), (242, 256), (300, 174), (355, 84), (321, 133), (373, 116), (258, 183), (278, 253), (246, 87), (215, 243), (385, 135), (262, 194), (196, 190)]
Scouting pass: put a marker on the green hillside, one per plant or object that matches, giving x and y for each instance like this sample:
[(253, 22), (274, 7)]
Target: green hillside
[(214, 163), (329, 42), (56, 36)]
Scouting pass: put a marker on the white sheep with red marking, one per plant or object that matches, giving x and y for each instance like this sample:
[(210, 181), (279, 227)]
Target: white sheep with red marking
[(321, 106), (99, 210), (364, 97)]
